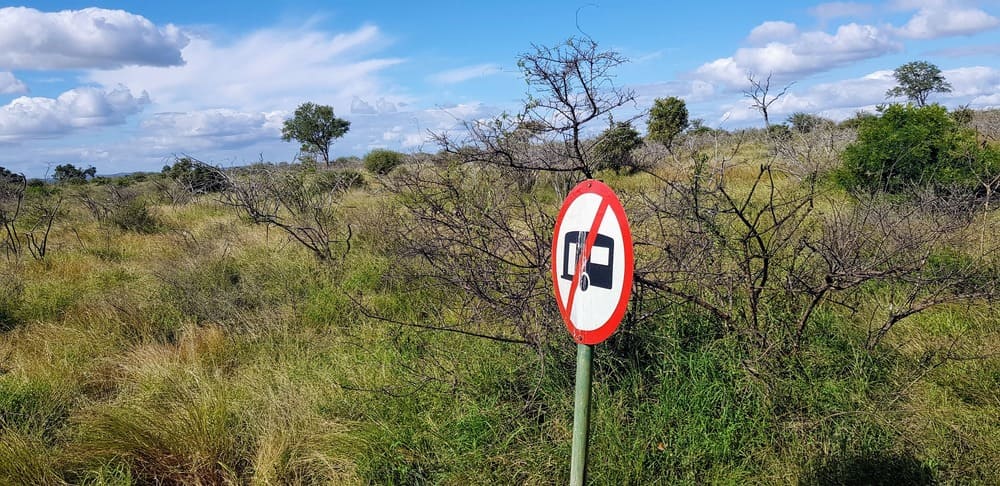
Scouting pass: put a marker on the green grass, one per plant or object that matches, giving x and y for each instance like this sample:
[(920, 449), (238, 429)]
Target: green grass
[(212, 351)]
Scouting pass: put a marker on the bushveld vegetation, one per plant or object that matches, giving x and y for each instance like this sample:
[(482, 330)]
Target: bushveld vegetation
[(291, 324)]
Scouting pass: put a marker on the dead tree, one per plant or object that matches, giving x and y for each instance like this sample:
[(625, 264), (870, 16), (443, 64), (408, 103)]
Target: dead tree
[(12, 190), (469, 232), (571, 85), (760, 94), (286, 198)]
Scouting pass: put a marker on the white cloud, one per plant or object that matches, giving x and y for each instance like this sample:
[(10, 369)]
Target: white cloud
[(975, 85), (462, 74), (209, 129), (986, 101), (772, 30), (77, 108), (973, 81), (362, 107), (11, 85), (267, 70), (807, 53), (88, 38), (832, 10), (933, 23)]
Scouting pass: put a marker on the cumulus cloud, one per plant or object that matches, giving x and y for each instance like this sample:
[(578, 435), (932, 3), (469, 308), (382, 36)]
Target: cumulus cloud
[(973, 82), (772, 30), (209, 129), (88, 38), (976, 86), (806, 53), (462, 74), (75, 109), (267, 70), (940, 19), (11, 85), (362, 107)]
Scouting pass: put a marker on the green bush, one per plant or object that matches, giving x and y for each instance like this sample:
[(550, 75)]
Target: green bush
[(381, 161), (614, 147), (196, 176), (908, 146), (339, 180), (134, 216)]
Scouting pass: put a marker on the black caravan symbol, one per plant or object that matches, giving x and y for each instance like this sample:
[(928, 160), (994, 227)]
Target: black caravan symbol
[(599, 267)]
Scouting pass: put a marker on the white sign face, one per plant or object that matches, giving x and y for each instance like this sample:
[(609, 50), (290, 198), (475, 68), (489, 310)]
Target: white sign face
[(592, 262)]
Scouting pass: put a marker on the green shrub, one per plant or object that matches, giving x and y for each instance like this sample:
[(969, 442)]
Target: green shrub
[(381, 161), (196, 176), (134, 216), (614, 147), (909, 146), (339, 180)]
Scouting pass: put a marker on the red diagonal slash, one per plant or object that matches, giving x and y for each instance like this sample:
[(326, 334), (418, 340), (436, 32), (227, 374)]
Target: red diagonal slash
[(581, 262)]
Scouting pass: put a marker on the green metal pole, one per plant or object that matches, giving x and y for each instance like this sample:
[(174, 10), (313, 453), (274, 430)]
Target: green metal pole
[(581, 414)]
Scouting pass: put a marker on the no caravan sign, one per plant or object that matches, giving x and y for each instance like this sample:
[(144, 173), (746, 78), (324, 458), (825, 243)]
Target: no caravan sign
[(592, 262)]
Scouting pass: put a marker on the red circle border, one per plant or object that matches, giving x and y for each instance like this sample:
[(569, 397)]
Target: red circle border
[(605, 330)]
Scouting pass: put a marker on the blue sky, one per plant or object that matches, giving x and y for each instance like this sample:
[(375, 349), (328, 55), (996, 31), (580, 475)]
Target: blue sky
[(125, 86)]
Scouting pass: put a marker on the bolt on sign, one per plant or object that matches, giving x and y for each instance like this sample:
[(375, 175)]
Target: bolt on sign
[(592, 262)]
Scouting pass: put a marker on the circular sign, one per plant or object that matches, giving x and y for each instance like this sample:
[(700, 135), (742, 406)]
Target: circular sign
[(592, 262)]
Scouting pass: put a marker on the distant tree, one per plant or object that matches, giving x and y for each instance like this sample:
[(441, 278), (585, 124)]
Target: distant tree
[(315, 127), (917, 80), (761, 95), (614, 147), (382, 161), (806, 122), (196, 176), (71, 174), (667, 118)]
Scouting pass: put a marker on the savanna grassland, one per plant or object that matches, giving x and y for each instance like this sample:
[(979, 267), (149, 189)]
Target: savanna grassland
[(813, 304), (167, 339)]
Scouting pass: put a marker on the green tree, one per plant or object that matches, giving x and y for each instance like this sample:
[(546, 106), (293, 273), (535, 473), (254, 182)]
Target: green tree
[(916, 146), (382, 161), (196, 176), (71, 174), (806, 122), (315, 127), (614, 147), (917, 80), (667, 118)]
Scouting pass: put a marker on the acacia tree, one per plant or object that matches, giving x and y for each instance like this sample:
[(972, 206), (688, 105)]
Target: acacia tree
[(71, 174), (315, 127), (917, 80), (667, 118)]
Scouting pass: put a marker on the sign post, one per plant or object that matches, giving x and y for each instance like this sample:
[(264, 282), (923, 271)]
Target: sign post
[(592, 265)]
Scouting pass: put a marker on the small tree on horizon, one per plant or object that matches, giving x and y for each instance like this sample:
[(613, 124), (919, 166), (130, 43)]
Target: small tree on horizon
[(917, 80), (315, 127), (71, 174)]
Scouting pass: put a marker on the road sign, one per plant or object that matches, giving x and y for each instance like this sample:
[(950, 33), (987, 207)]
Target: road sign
[(592, 262)]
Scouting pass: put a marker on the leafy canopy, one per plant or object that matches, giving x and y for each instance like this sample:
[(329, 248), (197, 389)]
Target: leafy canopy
[(71, 174), (915, 146), (315, 127), (917, 80), (614, 147), (667, 118), (382, 161)]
